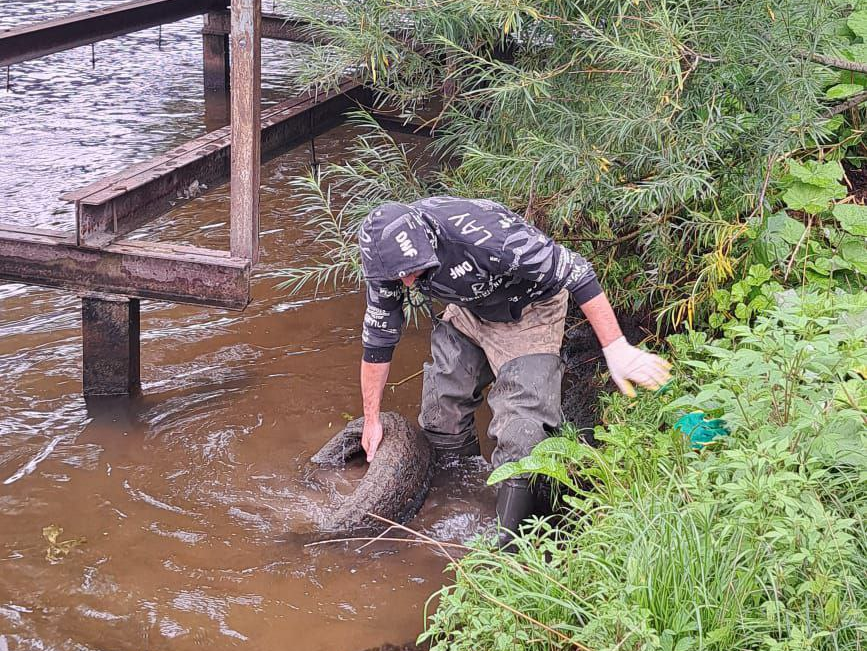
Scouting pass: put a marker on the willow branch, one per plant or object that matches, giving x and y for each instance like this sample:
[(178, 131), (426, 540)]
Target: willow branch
[(852, 102), (832, 62)]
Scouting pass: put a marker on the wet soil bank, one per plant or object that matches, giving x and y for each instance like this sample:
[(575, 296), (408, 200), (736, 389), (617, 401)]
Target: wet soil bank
[(857, 178), (583, 382)]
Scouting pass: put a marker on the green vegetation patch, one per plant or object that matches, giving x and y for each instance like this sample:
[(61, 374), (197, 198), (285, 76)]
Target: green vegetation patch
[(755, 541)]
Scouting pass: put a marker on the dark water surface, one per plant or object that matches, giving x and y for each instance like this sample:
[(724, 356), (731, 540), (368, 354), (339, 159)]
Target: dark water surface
[(184, 495)]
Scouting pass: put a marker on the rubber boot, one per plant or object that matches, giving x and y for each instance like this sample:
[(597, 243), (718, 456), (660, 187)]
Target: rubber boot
[(468, 449), (525, 401), (514, 505)]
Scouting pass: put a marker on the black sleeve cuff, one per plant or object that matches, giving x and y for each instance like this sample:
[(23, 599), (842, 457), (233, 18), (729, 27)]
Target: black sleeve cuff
[(378, 355), (588, 290)]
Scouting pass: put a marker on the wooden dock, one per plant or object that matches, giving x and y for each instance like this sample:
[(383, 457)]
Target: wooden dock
[(112, 274)]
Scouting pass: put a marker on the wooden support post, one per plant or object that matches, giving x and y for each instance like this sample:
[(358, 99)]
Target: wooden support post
[(110, 338), (215, 66), (246, 160)]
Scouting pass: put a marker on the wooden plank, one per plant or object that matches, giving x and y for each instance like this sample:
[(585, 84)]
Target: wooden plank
[(117, 205), (178, 274), (246, 100), (47, 37), (128, 177), (274, 27), (119, 180)]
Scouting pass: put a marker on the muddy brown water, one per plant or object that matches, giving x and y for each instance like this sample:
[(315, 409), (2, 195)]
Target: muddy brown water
[(185, 494)]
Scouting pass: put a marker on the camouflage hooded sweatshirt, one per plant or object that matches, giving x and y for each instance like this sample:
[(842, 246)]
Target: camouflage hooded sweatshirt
[(471, 252)]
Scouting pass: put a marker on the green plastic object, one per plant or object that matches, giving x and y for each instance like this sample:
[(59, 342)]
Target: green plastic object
[(699, 430)]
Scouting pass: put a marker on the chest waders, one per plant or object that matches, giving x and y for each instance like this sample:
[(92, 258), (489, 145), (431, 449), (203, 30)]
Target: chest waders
[(524, 400)]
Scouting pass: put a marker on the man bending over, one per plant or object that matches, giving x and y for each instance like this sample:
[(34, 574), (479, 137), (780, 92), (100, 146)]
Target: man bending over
[(506, 287)]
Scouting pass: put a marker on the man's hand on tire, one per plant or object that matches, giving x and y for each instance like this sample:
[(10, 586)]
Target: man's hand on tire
[(371, 436), (628, 364)]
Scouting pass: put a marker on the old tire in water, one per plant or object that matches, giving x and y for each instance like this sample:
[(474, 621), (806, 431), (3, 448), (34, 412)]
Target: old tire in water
[(394, 486)]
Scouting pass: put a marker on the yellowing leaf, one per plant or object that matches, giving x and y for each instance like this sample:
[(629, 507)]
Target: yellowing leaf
[(51, 532), (57, 550)]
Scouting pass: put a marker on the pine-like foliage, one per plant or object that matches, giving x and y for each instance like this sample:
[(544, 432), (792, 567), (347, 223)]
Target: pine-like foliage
[(646, 123), (336, 197)]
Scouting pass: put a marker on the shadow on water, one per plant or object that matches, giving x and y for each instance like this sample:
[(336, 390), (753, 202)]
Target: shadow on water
[(184, 493)]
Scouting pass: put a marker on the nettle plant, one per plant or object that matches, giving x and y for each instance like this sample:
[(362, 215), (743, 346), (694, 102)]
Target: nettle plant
[(745, 298), (816, 238), (796, 373)]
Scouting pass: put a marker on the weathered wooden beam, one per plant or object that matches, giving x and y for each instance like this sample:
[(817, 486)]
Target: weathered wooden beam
[(215, 68), (111, 349), (177, 274), (118, 204), (282, 28), (50, 36), (215, 57), (246, 97), (274, 27)]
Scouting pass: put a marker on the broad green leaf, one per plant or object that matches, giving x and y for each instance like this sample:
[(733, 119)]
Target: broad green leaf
[(774, 244), (854, 251), (812, 198), (852, 218), (560, 445), (716, 320), (723, 299), (505, 471), (789, 230), (850, 77), (823, 175), (857, 22), (857, 52), (834, 123), (827, 266), (842, 91), (758, 274)]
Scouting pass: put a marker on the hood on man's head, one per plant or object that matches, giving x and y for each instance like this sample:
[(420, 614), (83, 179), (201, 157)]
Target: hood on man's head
[(395, 241)]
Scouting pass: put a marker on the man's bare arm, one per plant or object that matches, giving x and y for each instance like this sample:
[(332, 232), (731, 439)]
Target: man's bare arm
[(626, 363), (602, 319), (373, 379)]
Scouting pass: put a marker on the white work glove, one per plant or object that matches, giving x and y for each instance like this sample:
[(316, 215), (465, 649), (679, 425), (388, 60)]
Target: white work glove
[(629, 364)]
